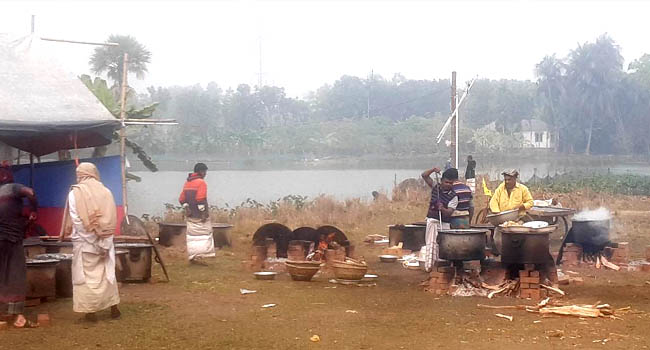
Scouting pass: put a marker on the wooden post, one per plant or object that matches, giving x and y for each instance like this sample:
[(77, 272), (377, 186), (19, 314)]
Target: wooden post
[(123, 136), (454, 121)]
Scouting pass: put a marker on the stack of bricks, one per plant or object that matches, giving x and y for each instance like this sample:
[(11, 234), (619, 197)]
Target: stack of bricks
[(529, 283), (620, 255), (441, 279), (572, 254)]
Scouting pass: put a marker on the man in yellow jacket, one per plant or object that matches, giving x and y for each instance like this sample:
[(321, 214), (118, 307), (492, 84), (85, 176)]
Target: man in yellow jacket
[(511, 195)]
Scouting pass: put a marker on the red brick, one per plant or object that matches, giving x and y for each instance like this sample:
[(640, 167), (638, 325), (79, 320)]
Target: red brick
[(533, 285), (523, 285), (43, 320), (436, 274), (524, 273), (534, 274), (529, 293), (529, 280), (645, 267)]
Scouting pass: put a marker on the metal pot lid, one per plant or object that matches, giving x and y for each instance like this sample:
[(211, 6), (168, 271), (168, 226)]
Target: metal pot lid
[(133, 245), (53, 256), (463, 231), (36, 262), (602, 220), (57, 244)]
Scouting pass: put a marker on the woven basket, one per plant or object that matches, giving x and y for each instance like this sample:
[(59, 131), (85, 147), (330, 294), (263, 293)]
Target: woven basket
[(304, 263), (349, 271), (301, 273)]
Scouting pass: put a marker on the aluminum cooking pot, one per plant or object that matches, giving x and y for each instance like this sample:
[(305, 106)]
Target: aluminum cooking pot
[(468, 244)]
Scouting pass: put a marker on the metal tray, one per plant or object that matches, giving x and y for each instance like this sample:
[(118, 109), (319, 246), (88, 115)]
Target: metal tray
[(528, 230)]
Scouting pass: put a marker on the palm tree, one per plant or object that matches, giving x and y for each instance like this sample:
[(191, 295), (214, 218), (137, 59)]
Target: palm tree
[(594, 71), (550, 86), (109, 59)]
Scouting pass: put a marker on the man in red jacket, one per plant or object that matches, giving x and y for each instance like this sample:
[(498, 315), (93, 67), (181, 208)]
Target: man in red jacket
[(194, 199)]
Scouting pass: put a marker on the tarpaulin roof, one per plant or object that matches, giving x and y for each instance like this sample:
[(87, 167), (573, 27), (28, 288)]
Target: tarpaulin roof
[(43, 108)]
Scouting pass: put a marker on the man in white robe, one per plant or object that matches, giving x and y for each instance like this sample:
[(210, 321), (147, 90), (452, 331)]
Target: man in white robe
[(90, 221)]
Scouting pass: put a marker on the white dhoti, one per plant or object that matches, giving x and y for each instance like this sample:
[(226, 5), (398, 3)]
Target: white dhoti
[(96, 292), (200, 243), (431, 240), (471, 183), (94, 286)]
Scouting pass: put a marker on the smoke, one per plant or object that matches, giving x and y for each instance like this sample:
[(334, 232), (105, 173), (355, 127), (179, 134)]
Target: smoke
[(601, 213)]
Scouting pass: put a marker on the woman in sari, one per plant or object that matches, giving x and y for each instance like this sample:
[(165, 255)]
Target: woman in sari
[(90, 220)]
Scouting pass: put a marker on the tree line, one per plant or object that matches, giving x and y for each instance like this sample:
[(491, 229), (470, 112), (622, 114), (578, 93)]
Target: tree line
[(591, 103)]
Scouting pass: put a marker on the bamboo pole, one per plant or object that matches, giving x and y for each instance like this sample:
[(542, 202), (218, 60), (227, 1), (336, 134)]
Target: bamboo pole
[(454, 122), (80, 42), (123, 136)]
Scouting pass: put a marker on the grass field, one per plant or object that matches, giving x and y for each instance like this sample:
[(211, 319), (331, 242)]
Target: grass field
[(201, 308)]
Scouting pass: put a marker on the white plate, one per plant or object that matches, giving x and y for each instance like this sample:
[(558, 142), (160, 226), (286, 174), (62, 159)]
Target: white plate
[(536, 224)]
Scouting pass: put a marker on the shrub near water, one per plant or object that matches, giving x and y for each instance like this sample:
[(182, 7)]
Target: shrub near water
[(637, 185)]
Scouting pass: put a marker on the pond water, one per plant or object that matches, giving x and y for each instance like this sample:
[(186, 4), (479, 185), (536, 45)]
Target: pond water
[(233, 187)]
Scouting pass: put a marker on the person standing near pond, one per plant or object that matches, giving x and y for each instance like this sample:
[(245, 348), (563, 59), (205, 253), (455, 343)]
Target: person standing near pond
[(442, 204), (90, 219), (194, 199), (13, 271), (470, 173)]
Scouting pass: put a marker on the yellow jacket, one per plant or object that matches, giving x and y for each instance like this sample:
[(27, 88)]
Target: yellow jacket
[(519, 195)]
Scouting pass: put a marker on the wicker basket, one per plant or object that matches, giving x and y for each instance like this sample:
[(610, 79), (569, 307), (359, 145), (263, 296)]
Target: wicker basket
[(304, 263), (301, 273), (349, 270)]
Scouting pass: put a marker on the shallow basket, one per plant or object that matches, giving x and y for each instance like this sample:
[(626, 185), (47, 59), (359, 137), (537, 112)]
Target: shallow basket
[(504, 216), (348, 271), (301, 273)]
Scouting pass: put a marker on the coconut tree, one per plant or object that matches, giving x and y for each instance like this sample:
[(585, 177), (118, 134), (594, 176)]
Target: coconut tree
[(594, 71), (109, 59)]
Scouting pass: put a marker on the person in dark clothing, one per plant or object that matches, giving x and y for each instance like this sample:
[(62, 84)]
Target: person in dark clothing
[(13, 271), (470, 171)]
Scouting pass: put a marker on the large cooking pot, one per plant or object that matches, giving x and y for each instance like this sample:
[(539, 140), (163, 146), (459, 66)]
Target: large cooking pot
[(525, 245), (591, 233), (461, 244)]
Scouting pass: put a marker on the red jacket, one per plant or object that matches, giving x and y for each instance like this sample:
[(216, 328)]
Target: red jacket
[(195, 193)]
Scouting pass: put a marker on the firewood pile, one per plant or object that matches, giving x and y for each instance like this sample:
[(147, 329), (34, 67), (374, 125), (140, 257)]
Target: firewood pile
[(549, 307), (527, 286), (613, 258)]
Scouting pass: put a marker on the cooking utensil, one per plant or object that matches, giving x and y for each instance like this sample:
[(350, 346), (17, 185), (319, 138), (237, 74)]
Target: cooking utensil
[(461, 244), (388, 258), (265, 275), (504, 216), (523, 245)]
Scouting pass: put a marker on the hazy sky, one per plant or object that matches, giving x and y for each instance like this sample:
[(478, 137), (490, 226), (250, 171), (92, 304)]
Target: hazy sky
[(307, 43)]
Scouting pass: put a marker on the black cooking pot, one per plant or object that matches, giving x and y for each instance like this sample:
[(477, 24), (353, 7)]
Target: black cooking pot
[(524, 248), (461, 244), (591, 233)]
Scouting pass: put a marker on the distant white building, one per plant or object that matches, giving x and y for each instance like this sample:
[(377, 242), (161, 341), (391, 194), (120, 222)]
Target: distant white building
[(536, 134)]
